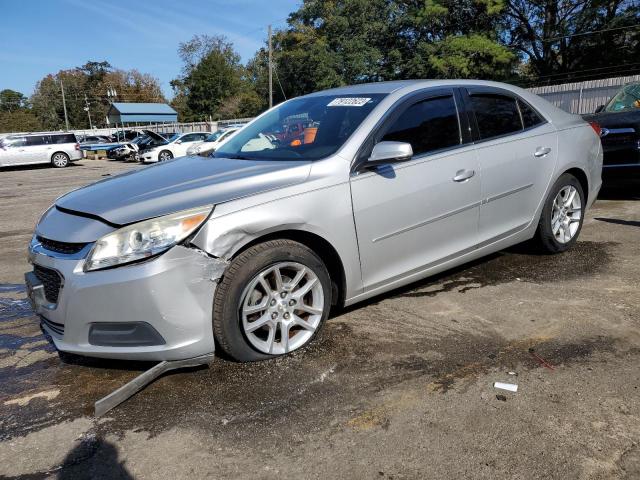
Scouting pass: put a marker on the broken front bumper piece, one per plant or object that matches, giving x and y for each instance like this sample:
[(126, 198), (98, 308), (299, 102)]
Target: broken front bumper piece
[(160, 309)]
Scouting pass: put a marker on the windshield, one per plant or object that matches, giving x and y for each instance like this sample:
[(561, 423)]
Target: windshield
[(306, 128), (627, 98), (214, 136)]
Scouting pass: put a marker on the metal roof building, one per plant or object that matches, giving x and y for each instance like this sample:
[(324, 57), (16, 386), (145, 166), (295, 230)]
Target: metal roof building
[(127, 113)]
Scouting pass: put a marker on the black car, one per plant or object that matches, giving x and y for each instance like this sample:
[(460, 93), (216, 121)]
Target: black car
[(619, 120)]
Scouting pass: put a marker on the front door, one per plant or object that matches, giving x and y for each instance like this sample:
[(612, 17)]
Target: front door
[(413, 215)]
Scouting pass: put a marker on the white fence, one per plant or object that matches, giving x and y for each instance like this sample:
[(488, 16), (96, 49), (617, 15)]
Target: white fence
[(583, 97)]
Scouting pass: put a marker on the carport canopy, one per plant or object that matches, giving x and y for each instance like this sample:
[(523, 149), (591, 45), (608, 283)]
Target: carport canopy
[(127, 113)]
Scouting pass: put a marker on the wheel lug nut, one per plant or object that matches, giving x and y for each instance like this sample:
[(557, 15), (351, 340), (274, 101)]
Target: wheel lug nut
[(283, 294), (292, 302), (286, 316), (274, 315), (273, 302)]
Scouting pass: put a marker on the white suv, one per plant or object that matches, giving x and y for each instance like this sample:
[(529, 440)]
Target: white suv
[(166, 148), (58, 149)]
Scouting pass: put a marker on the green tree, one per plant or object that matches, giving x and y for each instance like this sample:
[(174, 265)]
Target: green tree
[(574, 40), (10, 100), (90, 84), (213, 82)]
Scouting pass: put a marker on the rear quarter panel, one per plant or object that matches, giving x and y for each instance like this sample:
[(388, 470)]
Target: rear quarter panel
[(580, 147)]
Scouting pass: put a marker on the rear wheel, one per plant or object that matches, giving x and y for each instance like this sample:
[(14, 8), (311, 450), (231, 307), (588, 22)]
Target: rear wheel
[(60, 160), (165, 155), (562, 215), (272, 300)]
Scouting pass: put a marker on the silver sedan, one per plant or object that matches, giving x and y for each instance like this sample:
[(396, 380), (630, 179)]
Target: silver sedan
[(325, 200)]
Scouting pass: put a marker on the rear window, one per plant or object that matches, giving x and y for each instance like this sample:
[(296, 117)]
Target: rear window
[(496, 115), (63, 138)]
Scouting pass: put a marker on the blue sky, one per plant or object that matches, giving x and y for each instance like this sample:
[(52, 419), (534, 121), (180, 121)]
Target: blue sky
[(41, 37)]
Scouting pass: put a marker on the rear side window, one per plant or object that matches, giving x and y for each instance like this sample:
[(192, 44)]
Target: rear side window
[(37, 140), (530, 117), (496, 115), (63, 138), (428, 125)]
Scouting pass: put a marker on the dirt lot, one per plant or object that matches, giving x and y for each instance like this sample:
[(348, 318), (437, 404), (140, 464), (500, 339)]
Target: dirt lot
[(401, 387)]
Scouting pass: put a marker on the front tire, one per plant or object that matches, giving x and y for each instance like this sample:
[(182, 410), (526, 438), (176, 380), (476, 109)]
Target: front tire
[(272, 300), (60, 160), (165, 155), (562, 215)]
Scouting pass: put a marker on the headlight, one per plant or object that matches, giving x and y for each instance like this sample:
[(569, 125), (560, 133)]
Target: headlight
[(145, 239)]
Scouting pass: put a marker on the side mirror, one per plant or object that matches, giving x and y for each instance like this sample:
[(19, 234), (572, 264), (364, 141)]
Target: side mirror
[(178, 142), (389, 152), (599, 109)]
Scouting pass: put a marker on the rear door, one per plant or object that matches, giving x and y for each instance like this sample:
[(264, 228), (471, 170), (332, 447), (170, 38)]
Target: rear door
[(413, 215), (517, 150)]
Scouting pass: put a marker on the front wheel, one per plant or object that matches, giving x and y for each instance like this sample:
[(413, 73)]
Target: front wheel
[(272, 300), (165, 155), (562, 215), (60, 160)]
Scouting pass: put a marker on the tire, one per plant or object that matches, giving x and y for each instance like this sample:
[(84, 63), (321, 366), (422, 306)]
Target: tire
[(241, 290), (60, 160), (165, 155), (551, 238)]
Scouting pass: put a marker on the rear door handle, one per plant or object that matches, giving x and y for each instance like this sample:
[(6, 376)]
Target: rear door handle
[(463, 175), (541, 151)]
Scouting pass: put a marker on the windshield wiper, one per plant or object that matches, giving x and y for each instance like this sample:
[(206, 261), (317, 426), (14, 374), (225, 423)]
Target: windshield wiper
[(237, 157)]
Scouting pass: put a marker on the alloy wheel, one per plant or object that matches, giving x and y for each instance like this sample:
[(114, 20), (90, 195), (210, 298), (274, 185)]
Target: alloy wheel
[(566, 214), (281, 308), (60, 160)]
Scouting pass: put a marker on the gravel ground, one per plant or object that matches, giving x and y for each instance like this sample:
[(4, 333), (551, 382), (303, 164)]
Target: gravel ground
[(399, 387)]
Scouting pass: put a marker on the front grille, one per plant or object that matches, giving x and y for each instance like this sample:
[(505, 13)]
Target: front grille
[(61, 247), (51, 281), (57, 328)]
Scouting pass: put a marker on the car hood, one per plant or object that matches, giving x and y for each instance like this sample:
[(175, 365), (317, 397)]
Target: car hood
[(180, 184)]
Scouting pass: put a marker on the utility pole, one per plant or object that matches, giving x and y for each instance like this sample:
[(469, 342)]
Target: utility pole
[(64, 106), (270, 70), (86, 108)]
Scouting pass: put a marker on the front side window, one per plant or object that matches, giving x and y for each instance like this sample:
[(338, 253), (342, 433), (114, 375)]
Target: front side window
[(322, 124), (496, 115), (428, 125), (628, 98)]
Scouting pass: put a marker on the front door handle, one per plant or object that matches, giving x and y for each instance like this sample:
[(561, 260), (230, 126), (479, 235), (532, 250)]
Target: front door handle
[(541, 151), (463, 175)]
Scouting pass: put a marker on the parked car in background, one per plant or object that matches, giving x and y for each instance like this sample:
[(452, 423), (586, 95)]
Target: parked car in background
[(126, 151), (212, 142), (57, 149), (399, 181), (165, 147), (619, 120), (122, 136), (94, 139)]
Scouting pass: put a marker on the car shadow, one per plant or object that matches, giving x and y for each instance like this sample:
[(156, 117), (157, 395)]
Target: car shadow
[(39, 166), (619, 221)]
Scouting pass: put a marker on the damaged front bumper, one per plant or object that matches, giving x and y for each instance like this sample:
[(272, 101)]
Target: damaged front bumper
[(160, 309)]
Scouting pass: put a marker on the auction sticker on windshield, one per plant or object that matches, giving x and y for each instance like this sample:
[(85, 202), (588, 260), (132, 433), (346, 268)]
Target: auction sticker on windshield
[(348, 102)]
